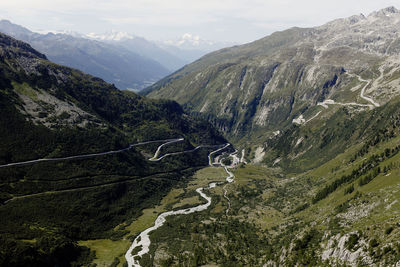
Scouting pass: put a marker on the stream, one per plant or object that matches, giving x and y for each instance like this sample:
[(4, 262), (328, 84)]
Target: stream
[(143, 239)]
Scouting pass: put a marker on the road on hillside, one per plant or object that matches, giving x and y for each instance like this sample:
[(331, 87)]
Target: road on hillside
[(168, 141), (143, 242), (84, 156)]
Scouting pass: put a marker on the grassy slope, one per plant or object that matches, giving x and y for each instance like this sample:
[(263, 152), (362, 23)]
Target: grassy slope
[(280, 212), (300, 148), (98, 193), (182, 196)]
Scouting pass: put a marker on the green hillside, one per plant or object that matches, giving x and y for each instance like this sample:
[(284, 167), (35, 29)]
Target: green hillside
[(51, 111), (315, 114), (343, 212)]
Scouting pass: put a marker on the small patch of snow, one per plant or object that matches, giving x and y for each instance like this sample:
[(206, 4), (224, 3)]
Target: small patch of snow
[(262, 115)]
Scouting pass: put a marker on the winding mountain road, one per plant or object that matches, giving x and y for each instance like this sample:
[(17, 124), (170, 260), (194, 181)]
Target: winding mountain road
[(212, 153), (362, 95), (85, 156), (363, 91), (142, 241), (158, 151), (168, 141), (127, 179), (300, 120), (181, 152)]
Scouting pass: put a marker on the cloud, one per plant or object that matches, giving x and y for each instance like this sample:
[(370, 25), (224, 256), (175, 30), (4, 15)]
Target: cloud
[(164, 20), (234, 20)]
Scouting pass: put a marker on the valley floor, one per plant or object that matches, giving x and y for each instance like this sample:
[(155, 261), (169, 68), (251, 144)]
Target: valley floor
[(109, 251), (274, 219)]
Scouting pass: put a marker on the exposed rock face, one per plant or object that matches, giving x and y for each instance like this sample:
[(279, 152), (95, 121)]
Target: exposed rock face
[(337, 252), (54, 112), (41, 106), (259, 154), (266, 84)]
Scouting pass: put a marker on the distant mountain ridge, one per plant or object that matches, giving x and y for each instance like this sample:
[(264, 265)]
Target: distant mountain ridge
[(125, 68), (126, 60), (142, 47), (314, 115), (190, 41), (172, 54), (191, 47)]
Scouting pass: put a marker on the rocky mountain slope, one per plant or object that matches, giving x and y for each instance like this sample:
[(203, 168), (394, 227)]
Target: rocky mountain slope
[(317, 111), (126, 68), (52, 111), (257, 89)]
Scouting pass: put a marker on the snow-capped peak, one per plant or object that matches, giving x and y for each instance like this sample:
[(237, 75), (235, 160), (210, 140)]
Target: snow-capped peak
[(67, 32), (111, 36), (189, 40), (194, 40)]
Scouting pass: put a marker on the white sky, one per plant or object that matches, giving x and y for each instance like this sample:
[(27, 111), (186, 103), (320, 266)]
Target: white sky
[(220, 20)]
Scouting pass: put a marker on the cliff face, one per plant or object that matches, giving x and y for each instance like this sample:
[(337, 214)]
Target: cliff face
[(264, 85)]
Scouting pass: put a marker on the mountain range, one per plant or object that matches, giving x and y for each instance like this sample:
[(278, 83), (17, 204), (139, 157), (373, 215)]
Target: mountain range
[(172, 54), (313, 115), (142, 47), (316, 112), (122, 67), (128, 61), (262, 86)]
